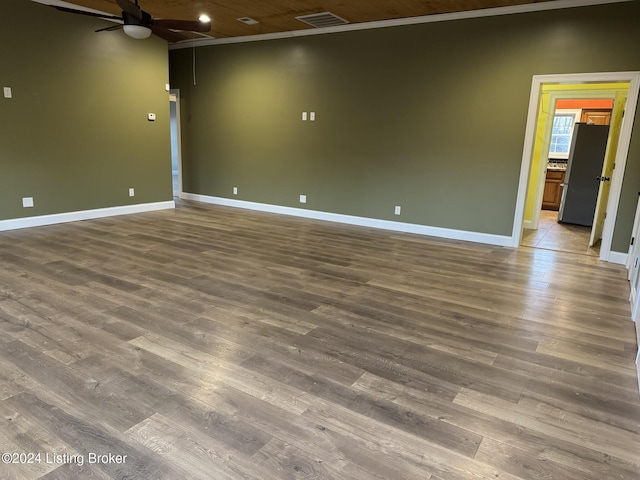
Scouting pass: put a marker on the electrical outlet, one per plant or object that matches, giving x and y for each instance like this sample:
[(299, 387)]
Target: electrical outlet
[(235, 190), (132, 192), (27, 202), (397, 210), (303, 199)]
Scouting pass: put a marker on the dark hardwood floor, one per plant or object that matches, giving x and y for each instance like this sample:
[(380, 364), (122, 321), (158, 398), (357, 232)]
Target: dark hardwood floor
[(216, 343)]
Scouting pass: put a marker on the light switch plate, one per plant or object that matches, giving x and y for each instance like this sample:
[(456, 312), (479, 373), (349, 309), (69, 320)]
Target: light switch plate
[(304, 116), (312, 116), (7, 92), (303, 199)]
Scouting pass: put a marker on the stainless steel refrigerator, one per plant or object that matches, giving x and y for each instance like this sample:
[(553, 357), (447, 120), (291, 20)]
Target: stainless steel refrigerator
[(583, 177)]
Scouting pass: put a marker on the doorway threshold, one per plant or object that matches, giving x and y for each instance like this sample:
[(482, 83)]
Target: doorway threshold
[(560, 237)]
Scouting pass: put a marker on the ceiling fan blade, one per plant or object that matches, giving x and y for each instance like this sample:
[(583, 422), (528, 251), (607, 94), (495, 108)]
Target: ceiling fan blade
[(108, 29), (168, 35), (186, 25), (131, 8), (82, 12)]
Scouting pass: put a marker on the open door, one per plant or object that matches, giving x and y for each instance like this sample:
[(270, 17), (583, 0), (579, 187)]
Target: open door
[(601, 203), (607, 171)]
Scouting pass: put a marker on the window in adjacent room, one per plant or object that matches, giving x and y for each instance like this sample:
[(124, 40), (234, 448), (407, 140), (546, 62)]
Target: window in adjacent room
[(561, 134)]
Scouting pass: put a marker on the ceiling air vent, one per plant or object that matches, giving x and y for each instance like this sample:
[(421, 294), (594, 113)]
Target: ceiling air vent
[(248, 20), (324, 19)]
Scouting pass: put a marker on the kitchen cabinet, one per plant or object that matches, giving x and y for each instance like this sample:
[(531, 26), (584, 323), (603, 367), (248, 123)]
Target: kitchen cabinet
[(596, 117), (553, 190)]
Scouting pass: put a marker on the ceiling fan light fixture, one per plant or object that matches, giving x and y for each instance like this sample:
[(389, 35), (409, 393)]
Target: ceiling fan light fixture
[(138, 32)]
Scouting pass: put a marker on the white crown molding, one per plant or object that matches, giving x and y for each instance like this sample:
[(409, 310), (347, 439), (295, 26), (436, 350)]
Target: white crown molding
[(448, 233), (443, 17), (42, 220)]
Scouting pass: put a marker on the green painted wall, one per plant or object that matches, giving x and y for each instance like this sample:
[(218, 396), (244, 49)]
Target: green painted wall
[(75, 134), (430, 117)]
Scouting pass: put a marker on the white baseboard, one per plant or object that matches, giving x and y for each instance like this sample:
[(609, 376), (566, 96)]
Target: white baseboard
[(617, 257), (488, 238), (42, 220)]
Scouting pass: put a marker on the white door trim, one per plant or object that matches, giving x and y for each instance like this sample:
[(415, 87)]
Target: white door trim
[(176, 93), (554, 96), (621, 157)]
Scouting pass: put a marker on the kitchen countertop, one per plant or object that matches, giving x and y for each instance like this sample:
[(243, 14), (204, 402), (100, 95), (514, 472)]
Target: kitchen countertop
[(556, 166)]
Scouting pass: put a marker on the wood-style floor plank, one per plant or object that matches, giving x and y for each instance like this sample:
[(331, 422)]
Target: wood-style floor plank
[(211, 342)]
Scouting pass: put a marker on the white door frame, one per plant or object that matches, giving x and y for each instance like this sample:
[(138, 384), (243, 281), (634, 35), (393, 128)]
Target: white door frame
[(621, 156), (176, 92), (554, 96)]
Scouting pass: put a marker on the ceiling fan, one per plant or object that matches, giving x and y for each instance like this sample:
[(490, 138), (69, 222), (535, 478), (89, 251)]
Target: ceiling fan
[(139, 24)]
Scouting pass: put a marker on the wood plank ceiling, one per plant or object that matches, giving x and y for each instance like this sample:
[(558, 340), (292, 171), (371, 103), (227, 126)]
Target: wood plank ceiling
[(276, 16)]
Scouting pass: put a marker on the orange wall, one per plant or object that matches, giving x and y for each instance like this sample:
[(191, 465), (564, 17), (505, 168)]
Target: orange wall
[(594, 104)]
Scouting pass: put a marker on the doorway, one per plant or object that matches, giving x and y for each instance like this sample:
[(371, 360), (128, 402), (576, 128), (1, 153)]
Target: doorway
[(545, 92), (581, 142), (176, 160)]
